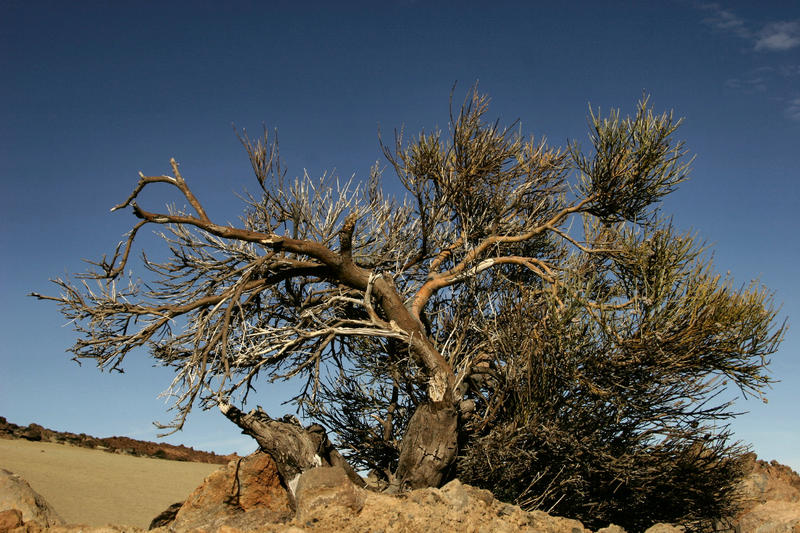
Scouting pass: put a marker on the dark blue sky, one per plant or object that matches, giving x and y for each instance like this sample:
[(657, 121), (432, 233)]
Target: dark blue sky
[(93, 92)]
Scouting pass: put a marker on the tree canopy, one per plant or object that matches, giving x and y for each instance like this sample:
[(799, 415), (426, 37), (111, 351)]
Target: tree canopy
[(524, 317)]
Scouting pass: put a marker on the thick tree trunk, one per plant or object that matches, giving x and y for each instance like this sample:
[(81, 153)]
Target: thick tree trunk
[(429, 447), (294, 448)]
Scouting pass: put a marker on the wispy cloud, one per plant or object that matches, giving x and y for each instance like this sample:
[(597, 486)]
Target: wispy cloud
[(775, 36), (792, 110), (776, 83), (725, 20), (747, 85), (790, 71), (779, 36), (766, 44)]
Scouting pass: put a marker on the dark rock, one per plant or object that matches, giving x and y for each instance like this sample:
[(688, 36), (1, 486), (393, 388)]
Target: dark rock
[(33, 432), (167, 516)]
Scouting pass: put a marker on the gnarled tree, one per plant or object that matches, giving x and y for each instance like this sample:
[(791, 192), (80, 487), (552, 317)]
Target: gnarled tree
[(472, 309)]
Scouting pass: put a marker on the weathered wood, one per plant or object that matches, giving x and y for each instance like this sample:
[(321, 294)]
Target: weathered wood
[(429, 447), (294, 448)]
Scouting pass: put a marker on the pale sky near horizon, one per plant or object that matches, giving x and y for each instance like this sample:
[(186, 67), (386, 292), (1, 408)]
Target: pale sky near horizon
[(93, 92)]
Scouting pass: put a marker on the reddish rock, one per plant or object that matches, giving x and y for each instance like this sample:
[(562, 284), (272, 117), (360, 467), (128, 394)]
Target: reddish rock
[(126, 445), (9, 519), (245, 491), (770, 499), (769, 482), (259, 485), (162, 450)]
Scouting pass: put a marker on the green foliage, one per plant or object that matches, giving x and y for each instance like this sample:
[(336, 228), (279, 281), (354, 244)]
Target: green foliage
[(598, 379), (634, 164), (608, 392)]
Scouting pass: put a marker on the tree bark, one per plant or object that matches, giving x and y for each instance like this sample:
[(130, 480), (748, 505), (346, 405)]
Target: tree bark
[(441, 378), (429, 447), (294, 448)]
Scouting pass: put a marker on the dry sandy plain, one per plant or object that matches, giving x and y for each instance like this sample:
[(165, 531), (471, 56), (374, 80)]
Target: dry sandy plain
[(95, 487)]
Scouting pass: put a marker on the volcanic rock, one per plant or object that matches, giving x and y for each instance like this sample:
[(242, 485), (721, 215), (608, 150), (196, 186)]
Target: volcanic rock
[(771, 499), (248, 486), (124, 445)]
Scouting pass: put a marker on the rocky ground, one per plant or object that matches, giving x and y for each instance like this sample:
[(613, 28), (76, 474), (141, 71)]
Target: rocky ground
[(246, 495), (35, 432)]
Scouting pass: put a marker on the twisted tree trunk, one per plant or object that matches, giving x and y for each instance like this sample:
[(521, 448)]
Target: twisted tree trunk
[(429, 446), (294, 448)]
